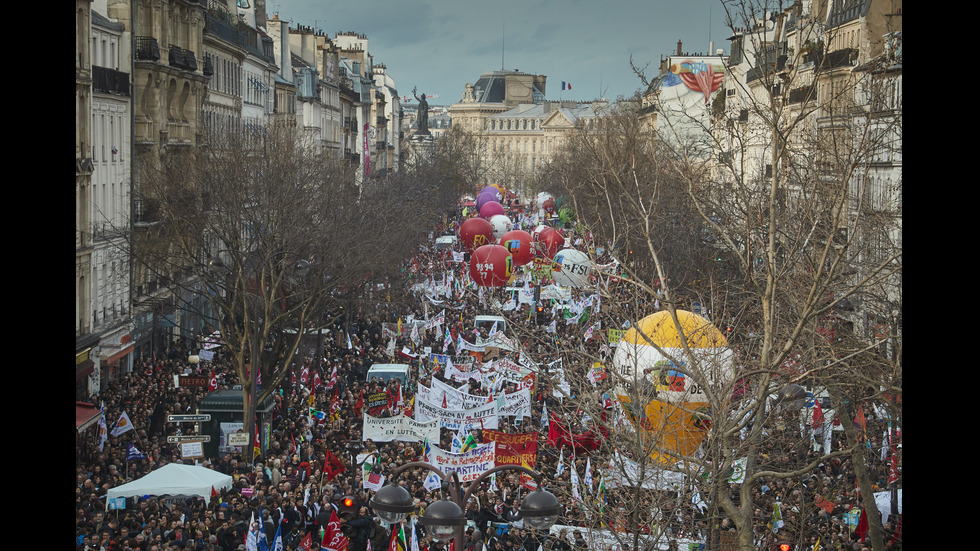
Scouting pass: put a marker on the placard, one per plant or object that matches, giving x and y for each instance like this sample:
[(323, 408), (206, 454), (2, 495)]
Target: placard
[(191, 450), (468, 465)]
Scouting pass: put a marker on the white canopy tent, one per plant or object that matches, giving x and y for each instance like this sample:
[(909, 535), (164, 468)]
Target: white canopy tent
[(175, 479)]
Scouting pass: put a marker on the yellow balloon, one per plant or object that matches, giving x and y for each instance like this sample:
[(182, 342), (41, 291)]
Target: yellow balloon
[(669, 401)]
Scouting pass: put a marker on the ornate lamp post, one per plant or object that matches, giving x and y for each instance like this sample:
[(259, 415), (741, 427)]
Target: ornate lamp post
[(445, 518)]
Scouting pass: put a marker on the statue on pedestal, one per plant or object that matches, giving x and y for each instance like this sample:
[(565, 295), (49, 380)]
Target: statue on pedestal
[(422, 115)]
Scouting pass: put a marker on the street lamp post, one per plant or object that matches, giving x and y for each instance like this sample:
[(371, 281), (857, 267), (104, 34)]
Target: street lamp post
[(445, 518)]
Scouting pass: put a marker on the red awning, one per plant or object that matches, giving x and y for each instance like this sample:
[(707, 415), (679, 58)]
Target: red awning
[(86, 415)]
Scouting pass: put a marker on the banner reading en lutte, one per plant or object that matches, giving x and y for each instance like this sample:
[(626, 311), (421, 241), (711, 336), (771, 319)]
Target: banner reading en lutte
[(483, 417)]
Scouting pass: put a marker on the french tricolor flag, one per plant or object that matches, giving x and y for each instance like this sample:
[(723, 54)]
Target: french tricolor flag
[(566, 85)]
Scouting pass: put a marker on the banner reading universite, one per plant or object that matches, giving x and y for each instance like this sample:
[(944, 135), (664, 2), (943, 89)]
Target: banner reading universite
[(401, 428)]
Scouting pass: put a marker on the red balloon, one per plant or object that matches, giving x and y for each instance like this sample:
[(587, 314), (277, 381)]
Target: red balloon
[(491, 209), (491, 266), (518, 244), (549, 206), (548, 241), (475, 232)]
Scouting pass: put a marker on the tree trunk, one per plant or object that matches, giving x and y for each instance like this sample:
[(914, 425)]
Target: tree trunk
[(876, 530)]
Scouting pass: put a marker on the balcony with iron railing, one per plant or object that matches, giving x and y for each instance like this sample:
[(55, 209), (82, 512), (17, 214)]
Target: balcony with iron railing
[(110, 81), (182, 59), (222, 25), (147, 48)]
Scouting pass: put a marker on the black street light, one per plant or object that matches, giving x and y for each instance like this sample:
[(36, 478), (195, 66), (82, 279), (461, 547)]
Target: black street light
[(445, 519)]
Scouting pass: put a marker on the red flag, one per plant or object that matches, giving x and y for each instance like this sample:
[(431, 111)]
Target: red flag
[(333, 465), (213, 382), (257, 444), (360, 404), (397, 539), (557, 435), (817, 414), (307, 542), (860, 421), (863, 526), (333, 538)]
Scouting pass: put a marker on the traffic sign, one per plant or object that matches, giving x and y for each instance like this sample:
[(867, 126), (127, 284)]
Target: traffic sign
[(191, 438), (190, 418)]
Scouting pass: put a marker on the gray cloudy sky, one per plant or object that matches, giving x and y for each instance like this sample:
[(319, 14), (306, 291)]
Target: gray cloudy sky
[(440, 45)]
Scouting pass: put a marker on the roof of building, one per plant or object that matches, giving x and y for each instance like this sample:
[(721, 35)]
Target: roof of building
[(102, 21), (490, 87)]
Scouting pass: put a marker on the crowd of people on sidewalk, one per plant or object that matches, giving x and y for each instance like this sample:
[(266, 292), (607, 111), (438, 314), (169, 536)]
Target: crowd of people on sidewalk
[(290, 485)]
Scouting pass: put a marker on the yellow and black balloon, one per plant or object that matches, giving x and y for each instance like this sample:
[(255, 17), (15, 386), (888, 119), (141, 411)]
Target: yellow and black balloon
[(670, 403)]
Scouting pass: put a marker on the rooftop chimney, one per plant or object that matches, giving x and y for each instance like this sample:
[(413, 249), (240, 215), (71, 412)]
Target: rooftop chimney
[(679, 51)]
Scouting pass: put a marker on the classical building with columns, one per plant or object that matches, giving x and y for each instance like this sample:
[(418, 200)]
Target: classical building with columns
[(510, 110)]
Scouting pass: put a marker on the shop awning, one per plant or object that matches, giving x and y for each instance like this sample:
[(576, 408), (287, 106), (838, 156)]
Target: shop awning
[(86, 415)]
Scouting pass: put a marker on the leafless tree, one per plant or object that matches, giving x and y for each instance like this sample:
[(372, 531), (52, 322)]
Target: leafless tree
[(273, 233)]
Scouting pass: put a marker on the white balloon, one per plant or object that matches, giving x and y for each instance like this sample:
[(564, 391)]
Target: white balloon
[(542, 197), (501, 225), (571, 268)]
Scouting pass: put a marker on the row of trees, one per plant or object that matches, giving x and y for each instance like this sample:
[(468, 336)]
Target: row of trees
[(778, 235), (270, 237)]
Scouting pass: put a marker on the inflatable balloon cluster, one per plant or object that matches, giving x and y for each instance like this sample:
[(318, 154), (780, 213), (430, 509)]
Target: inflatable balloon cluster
[(492, 257), (496, 247)]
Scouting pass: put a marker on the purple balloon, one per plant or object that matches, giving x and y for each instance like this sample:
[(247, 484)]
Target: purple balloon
[(494, 191), (491, 209), (485, 198)]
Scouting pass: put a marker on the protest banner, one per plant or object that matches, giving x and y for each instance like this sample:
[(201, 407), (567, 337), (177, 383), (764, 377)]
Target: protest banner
[(468, 465), (476, 418), (377, 402), (400, 428), (516, 404), (456, 396), (513, 449)]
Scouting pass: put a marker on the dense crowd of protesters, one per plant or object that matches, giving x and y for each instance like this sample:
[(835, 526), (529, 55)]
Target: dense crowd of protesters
[(288, 483)]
